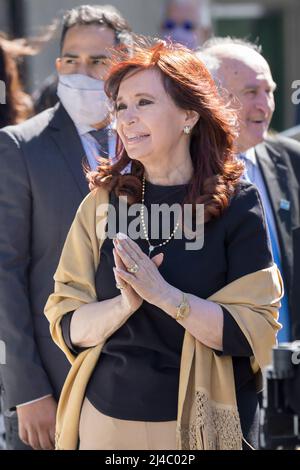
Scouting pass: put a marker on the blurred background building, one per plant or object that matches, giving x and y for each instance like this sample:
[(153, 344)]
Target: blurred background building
[(273, 23)]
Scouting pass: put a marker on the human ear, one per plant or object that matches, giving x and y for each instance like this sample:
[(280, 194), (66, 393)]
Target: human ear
[(191, 119), (58, 64)]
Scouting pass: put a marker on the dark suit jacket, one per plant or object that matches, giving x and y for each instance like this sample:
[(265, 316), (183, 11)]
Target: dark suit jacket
[(279, 161), (41, 186)]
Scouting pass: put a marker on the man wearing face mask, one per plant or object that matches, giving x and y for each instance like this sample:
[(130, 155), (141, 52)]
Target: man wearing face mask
[(187, 22), (41, 186)]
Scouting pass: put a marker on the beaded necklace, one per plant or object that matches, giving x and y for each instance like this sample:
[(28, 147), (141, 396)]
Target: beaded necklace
[(152, 247)]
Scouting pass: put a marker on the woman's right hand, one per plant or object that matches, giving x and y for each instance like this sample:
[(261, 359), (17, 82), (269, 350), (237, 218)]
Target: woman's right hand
[(129, 299)]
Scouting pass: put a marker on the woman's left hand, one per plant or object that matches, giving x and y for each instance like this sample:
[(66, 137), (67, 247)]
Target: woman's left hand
[(147, 280)]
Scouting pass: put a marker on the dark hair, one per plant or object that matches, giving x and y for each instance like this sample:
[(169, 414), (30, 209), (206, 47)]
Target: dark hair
[(230, 40), (189, 84), (18, 105), (102, 15)]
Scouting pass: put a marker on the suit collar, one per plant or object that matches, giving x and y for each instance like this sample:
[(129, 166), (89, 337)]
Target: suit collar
[(60, 117), (66, 137), (277, 178)]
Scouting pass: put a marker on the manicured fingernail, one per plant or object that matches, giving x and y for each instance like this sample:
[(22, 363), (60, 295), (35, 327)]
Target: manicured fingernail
[(121, 236)]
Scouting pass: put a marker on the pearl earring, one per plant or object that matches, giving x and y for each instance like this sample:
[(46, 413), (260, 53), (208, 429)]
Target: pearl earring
[(187, 129)]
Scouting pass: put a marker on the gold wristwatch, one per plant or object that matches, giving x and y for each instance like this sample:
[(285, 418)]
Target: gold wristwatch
[(183, 309)]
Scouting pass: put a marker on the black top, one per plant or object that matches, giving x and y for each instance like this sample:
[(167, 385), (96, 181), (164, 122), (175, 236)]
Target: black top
[(137, 375)]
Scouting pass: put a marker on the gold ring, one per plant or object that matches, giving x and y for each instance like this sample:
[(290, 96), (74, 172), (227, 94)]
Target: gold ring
[(119, 286), (133, 269)]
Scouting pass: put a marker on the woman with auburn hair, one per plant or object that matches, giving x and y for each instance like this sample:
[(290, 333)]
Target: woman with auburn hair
[(166, 332), (17, 105)]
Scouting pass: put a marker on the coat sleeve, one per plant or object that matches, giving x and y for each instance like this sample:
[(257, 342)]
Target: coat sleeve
[(65, 325), (23, 375)]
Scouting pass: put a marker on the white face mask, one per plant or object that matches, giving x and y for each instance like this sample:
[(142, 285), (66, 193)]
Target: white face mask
[(84, 99)]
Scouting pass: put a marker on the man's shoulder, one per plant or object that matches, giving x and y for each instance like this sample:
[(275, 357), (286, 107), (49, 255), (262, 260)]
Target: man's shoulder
[(279, 144), (281, 150), (32, 127)]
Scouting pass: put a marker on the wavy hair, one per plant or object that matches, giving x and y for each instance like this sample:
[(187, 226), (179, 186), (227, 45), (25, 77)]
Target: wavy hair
[(18, 106), (188, 82)]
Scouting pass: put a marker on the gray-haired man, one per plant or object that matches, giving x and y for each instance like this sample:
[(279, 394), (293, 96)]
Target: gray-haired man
[(272, 163)]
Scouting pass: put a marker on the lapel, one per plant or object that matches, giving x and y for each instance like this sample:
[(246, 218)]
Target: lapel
[(277, 177), (67, 139)]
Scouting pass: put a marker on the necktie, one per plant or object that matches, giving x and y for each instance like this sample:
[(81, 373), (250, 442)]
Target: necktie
[(284, 317), (101, 137), (249, 168)]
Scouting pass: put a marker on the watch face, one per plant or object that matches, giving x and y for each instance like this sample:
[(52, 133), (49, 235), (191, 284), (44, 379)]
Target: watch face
[(184, 310)]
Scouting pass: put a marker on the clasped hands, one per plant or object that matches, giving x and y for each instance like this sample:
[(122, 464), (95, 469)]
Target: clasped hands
[(137, 276)]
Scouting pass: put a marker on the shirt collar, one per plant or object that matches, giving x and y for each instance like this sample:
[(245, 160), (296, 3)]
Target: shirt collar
[(250, 155), (82, 130), (86, 129)]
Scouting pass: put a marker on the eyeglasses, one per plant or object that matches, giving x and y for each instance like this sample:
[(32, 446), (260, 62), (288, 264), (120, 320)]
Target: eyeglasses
[(187, 25)]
